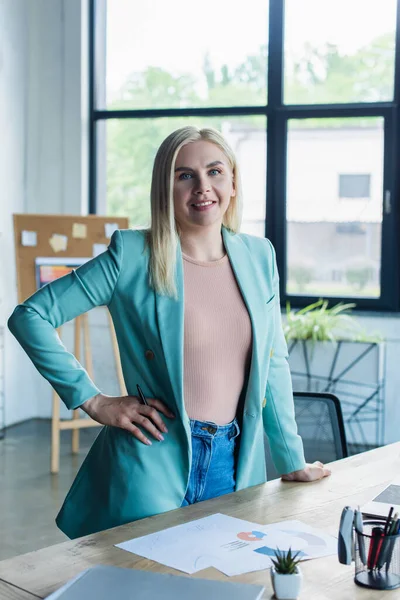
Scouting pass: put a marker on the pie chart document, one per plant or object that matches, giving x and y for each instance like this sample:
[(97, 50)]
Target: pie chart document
[(231, 545)]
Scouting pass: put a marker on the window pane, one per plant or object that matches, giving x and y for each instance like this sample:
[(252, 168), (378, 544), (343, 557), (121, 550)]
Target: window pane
[(339, 51), (354, 186), (181, 54), (334, 207), (130, 149)]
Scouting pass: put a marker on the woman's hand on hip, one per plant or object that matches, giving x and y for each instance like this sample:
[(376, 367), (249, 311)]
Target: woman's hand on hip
[(311, 472), (127, 412)]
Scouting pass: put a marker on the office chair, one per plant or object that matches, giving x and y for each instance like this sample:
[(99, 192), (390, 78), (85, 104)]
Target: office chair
[(320, 424)]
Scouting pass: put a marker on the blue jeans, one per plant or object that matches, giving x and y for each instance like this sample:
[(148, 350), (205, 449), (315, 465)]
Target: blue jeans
[(213, 460)]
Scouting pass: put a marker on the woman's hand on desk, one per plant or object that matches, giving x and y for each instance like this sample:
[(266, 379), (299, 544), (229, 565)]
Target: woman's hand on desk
[(311, 472), (127, 412)]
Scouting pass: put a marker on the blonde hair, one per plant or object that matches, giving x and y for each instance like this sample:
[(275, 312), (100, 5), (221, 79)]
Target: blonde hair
[(163, 234)]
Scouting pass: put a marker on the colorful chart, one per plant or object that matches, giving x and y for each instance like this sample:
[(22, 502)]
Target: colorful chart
[(311, 539), (251, 536)]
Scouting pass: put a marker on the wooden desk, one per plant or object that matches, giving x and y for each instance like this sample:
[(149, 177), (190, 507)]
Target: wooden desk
[(10, 592), (354, 481)]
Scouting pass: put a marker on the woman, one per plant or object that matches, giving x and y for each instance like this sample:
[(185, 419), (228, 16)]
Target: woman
[(196, 311)]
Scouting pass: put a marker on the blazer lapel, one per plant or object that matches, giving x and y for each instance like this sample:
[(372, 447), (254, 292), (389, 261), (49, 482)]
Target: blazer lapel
[(248, 281), (170, 315)]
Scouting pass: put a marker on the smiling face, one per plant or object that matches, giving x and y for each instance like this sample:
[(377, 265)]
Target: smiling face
[(203, 185)]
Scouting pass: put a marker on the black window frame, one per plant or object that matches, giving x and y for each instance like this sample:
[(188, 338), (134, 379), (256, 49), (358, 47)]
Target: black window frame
[(278, 115)]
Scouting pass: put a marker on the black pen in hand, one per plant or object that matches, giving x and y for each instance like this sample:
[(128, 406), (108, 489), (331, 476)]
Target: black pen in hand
[(141, 395)]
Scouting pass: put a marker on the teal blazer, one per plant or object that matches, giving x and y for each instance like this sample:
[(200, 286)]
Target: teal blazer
[(122, 479)]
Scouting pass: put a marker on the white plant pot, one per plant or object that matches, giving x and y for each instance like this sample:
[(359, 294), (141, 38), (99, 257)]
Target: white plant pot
[(286, 587)]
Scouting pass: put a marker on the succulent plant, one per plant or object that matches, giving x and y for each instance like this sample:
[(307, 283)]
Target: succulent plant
[(285, 562)]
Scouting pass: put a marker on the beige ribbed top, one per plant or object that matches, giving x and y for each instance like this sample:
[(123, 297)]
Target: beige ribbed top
[(217, 340)]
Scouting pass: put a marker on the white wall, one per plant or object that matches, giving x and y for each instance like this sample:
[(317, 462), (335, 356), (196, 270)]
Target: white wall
[(20, 403), (57, 180), (54, 153), (42, 158)]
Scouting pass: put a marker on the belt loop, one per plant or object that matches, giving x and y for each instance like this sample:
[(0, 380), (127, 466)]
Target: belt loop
[(236, 426)]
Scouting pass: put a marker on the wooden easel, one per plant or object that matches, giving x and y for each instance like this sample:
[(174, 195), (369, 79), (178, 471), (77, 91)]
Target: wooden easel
[(44, 227), (81, 325)]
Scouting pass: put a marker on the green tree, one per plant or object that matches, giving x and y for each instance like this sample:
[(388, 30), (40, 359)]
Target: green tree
[(131, 148), (321, 75), (132, 143), (324, 75), (359, 276), (301, 274), (209, 72)]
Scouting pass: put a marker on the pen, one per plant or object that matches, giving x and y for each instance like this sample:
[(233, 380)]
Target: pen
[(375, 546), (384, 546), (394, 530), (141, 395), (386, 529), (394, 525)]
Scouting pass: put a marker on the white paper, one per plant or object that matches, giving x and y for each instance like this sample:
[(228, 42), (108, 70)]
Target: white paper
[(58, 242), (231, 545), (98, 249), (29, 238), (74, 261), (109, 229), (79, 231), (317, 543)]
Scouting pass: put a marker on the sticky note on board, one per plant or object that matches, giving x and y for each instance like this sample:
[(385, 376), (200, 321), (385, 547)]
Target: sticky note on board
[(29, 238), (109, 229), (98, 249), (79, 230), (58, 242)]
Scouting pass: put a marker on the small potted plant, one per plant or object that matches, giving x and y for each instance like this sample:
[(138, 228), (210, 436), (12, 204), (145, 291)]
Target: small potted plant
[(319, 323), (286, 575)]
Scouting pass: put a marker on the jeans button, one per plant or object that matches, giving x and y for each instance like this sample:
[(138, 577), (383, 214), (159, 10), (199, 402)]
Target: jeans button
[(211, 429)]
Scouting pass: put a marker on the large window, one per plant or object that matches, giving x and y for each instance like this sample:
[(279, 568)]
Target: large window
[(183, 54), (334, 240), (339, 51), (307, 93)]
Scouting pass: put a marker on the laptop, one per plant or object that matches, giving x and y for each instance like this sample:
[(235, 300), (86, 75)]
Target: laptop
[(381, 504), (105, 582)]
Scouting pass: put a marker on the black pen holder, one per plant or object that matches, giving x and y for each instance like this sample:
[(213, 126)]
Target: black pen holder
[(377, 558)]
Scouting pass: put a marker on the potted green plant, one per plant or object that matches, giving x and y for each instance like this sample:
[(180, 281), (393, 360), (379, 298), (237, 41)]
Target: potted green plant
[(286, 575), (319, 323)]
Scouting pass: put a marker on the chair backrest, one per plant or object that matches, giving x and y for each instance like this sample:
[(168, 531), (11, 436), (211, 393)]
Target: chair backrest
[(320, 424)]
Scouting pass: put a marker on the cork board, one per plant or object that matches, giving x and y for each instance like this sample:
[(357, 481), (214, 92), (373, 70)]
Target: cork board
[(51, 231)]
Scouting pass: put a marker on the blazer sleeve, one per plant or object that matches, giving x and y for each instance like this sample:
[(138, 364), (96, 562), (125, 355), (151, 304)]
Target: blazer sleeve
[(278, 414), (34, 322)]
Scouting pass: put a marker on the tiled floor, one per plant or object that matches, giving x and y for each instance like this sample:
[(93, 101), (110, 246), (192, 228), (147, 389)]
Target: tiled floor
[(30, 496)]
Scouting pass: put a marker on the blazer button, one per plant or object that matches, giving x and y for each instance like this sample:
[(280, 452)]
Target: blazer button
[(271, 353), (149, 354), (264, 403)]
